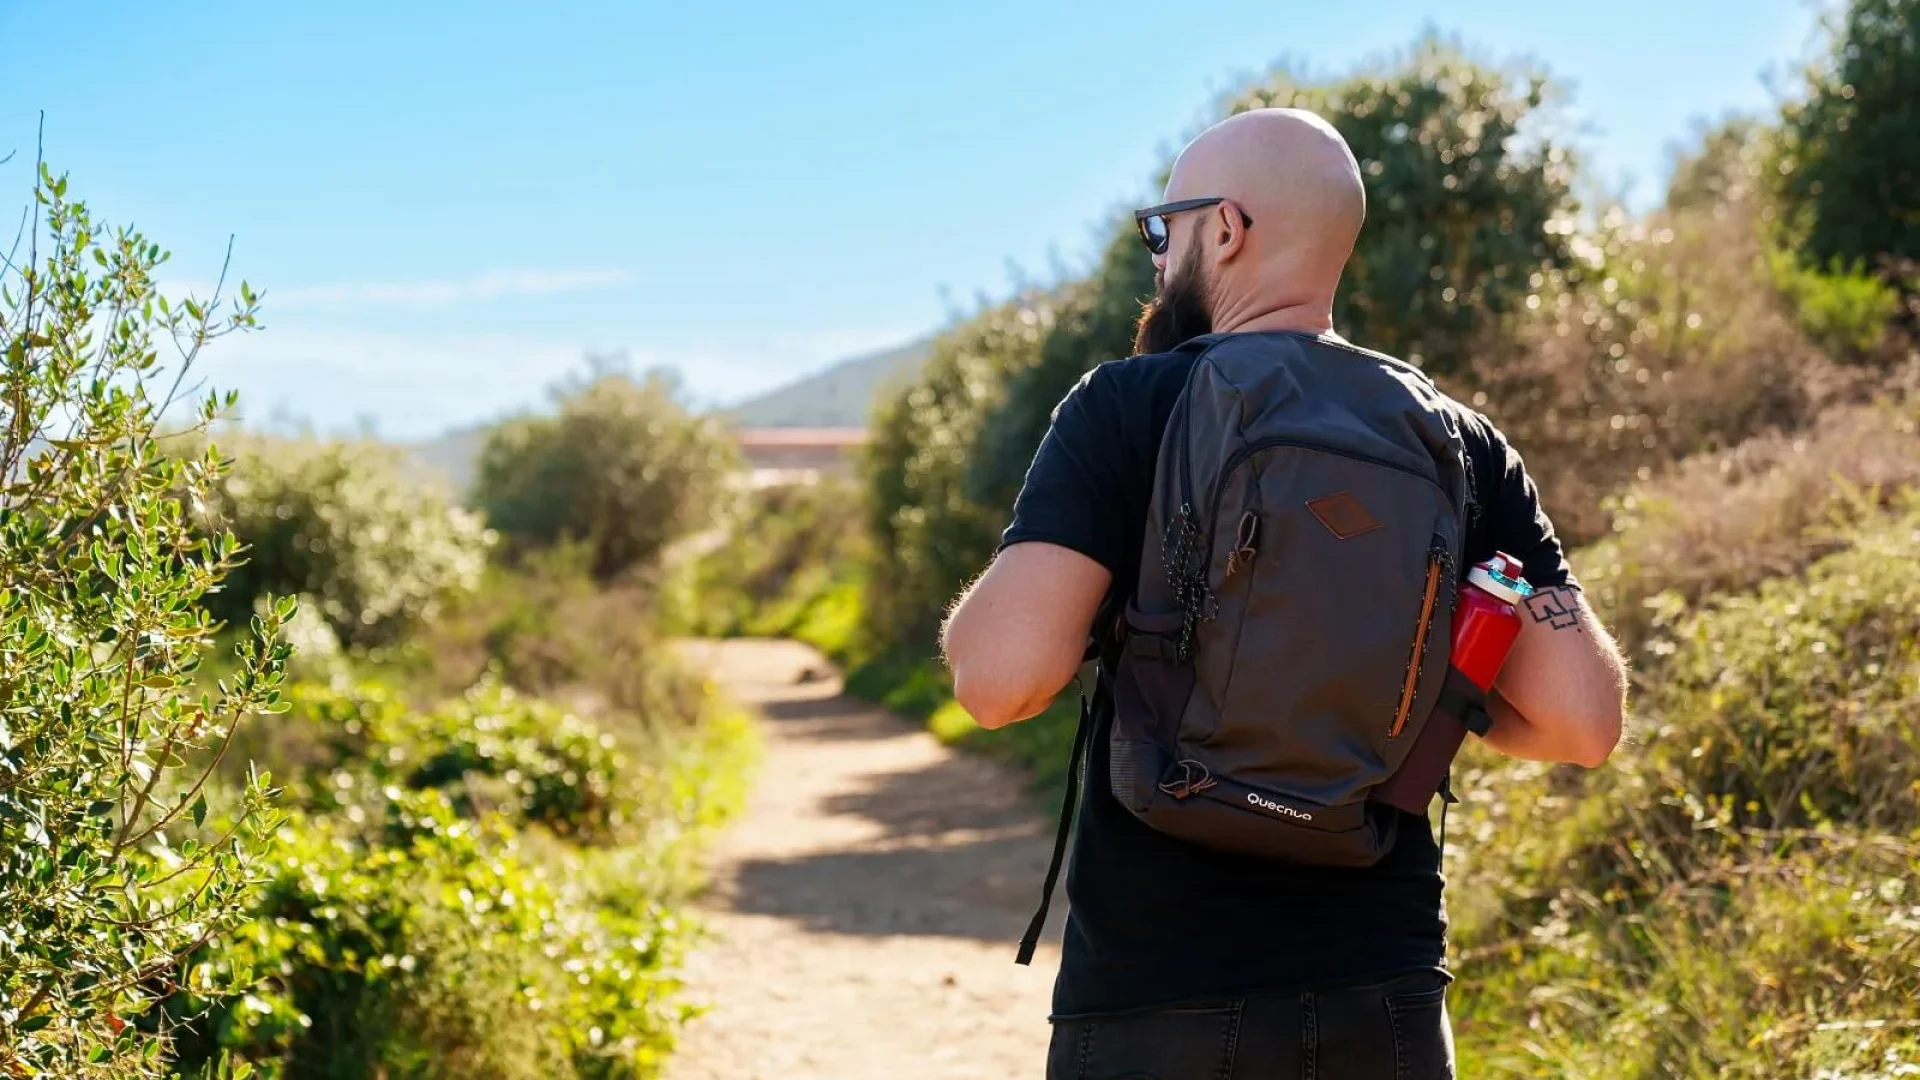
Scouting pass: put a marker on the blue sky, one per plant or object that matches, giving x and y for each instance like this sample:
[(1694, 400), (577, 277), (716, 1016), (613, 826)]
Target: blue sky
[(449, 204)]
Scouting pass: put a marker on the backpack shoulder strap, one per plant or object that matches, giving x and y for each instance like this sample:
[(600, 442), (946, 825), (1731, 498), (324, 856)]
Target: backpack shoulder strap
[(1082, 735)]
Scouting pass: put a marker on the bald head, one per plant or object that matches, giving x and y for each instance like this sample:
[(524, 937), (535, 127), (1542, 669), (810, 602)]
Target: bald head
[(1293, 175)]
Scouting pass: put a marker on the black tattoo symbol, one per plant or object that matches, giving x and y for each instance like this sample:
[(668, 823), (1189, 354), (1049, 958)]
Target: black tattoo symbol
[(1551, 607)]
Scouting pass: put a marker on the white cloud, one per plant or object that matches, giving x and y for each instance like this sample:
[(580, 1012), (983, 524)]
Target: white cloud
[(492, 285)]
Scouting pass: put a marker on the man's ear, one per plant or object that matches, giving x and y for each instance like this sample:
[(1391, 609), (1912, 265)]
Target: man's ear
[(1228, 231)]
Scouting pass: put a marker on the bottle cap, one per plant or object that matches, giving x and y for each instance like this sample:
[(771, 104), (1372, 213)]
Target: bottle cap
[(1500, 576)]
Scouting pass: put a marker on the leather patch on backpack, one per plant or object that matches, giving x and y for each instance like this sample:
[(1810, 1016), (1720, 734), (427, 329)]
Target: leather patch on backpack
[(1343, 515)]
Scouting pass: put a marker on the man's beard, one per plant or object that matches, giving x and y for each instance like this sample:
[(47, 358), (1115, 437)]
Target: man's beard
[(1182, 311)]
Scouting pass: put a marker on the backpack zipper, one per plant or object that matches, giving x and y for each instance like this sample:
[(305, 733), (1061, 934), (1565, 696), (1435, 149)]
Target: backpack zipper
[(1241, 456), (1435, 560)]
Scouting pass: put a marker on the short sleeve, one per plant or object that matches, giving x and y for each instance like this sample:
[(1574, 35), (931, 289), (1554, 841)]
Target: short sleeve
[(1076, 487), (1512, 520)]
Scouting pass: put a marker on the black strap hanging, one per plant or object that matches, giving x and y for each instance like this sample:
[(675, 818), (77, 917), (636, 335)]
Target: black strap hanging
[(1082, 735)]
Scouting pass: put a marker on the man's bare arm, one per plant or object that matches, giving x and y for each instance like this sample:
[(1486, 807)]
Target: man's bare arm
[(1562, 694), (1016, 637)]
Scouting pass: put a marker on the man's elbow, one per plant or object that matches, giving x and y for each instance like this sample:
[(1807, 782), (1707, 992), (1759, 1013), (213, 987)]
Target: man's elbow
[(1598, 734), (988, 701)]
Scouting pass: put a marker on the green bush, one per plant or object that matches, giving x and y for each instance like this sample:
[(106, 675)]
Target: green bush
[(1850, 159), (112, 861), (420, 944), (620, 469), (493, 752), (1467, 203), (929, 533), (1846, 312), (778, 555), (377, 553), (544, 626), (1738, 885), (487, 888)]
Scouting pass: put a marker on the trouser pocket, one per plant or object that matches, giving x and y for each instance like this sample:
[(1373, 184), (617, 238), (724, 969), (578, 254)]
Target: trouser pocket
[(1165, 1044)]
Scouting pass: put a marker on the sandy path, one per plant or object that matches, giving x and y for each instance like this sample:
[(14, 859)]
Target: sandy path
[(866, 906)]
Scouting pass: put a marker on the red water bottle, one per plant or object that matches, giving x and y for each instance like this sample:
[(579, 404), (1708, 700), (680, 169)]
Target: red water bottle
[(1486, 621), (1487, 618)]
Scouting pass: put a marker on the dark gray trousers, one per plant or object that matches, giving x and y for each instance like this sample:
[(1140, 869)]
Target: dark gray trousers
[(1394, 1030)]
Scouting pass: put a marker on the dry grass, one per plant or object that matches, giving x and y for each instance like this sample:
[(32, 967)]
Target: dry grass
[(1769, 507)]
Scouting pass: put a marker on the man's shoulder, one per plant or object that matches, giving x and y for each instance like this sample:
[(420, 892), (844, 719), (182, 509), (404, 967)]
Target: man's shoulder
[(1144, 370), (1129, 390)]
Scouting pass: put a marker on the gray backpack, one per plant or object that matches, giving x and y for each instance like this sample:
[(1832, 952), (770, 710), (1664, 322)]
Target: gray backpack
[(1288, 638)]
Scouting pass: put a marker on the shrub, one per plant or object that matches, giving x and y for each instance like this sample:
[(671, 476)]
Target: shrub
[(1725, 522), (620, 469), (493, 752), (112, 864), (1464, 213), (1467, 201), (422, 945), (486, 888), (1676, 345), (1737, 886), (1846, 312), (778, 555), (929, 534), (342, 523), (546, 627), (1850, 159)]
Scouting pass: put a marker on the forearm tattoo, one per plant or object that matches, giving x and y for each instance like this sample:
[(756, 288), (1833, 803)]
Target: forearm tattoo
[(1556, 607)]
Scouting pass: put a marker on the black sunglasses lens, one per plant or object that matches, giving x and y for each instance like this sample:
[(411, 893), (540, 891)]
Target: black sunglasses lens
[(1153, 230)]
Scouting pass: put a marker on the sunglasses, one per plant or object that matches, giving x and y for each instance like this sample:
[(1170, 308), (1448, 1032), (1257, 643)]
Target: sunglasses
[(1153, 220)]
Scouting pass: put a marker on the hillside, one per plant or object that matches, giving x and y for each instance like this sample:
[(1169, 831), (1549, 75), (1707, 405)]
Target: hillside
[(449, 459), (839, 397)]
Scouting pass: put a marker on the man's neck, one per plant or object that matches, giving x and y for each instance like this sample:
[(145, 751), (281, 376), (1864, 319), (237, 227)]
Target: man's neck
[(1299, 318)]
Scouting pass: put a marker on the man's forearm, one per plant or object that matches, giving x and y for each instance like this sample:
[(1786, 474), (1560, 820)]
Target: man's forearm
[(1016, 636), (1562, 693)]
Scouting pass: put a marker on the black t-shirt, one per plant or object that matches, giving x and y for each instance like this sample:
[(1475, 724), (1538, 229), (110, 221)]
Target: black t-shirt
[(1157, 921)]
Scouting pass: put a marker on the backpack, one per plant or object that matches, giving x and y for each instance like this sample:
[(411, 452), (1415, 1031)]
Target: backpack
[(1289, 634)]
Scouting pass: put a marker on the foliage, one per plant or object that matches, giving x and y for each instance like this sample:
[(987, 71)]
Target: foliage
[(340, 523), (1726, 166), (929, 533), (1734, 880), (1851, 153), (1466, 202), (1725, 522), (1465, 212), (780, 554), (111, 862), (621, 468), (493, 752), (1847, 313), (546, 627), (1094, 323), (485, 888), (1676, 344)]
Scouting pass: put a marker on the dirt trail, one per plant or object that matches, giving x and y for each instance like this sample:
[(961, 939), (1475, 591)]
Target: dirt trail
[(866, 906)]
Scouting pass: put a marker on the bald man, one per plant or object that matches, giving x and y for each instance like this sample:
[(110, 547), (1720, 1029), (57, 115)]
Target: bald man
[(1181, 960)]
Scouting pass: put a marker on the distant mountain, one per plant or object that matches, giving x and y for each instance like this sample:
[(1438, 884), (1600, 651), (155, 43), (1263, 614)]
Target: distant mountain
[(449, 459), (842, 396)]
